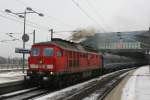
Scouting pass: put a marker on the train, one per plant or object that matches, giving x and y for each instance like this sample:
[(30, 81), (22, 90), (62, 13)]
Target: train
[(116, 62), (63, 62)]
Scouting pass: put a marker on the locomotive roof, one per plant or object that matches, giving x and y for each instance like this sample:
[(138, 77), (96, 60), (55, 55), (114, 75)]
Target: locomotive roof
[(63, 44)]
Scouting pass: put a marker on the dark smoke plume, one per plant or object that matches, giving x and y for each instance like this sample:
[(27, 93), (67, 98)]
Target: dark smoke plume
[(82, 34)]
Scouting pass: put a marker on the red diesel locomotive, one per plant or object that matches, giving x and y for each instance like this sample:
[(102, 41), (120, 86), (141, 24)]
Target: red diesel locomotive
[(59, 60)]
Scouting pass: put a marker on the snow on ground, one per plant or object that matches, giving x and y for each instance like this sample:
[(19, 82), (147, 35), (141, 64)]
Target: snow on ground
[(93, 96), (66, 91), (75, 89), (7, 77), (138, 86)]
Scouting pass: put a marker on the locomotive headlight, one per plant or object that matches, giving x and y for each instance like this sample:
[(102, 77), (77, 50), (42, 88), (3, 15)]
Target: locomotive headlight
[(51, 73), (50, 66)]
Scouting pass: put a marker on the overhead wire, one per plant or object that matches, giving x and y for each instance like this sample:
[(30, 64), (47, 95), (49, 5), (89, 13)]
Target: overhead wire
[(48, 16), (58, 21), (98, 14), (90, 17), (12, 19), (28, 22), (14, 39), (8, 42), (10, 35), (21, 2), (62, 23), (19, 21), (51, 17)]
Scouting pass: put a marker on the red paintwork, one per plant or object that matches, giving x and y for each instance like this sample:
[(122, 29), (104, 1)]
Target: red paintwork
[(81, 60)]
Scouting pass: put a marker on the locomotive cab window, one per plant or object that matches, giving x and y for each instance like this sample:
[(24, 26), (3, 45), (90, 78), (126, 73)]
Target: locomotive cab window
[(59, 54), (48, 52), (35, 52)]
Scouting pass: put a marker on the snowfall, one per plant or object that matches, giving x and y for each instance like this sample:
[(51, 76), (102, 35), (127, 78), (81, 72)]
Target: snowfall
[(137, 87)]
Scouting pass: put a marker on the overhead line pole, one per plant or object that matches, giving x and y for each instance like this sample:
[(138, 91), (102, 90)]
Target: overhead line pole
[(25, 37), (148, 50), (34, 37), (24, 31), (52, 32)]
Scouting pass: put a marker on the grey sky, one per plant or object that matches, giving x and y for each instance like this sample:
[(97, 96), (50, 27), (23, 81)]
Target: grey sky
[(108, 15)]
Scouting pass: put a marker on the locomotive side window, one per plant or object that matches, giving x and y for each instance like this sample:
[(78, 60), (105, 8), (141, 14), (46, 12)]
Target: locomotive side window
[(70, 54), (48, 52), (35, 51), (59, 54)]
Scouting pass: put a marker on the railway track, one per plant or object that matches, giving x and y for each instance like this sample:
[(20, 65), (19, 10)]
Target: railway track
[(24, 94), (12, 86), (99, 88), (18, 91)]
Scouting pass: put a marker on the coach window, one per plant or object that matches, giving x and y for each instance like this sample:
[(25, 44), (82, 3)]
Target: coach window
[(48, 52), (86, 55), (35, 52), (80, 55), (70, 53), (77, 55), (59, 54)]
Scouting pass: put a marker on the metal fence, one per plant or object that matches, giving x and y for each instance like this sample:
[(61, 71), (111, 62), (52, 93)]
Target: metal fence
[(11, 67)]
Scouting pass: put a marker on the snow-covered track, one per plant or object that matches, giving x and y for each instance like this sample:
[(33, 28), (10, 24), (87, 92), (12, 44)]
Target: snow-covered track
[(97, 89), (11, 86), (11, 69), (24, 94)]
